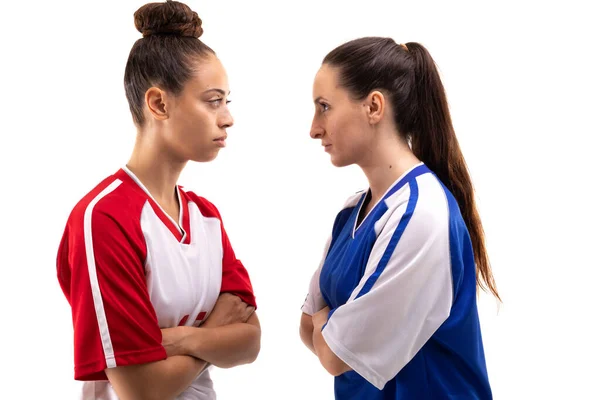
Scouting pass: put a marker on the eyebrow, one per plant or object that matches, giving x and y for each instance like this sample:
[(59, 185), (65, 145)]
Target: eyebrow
[(221, 91)]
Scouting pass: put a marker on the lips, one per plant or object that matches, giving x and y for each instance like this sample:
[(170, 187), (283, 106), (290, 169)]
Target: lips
[(220, 141)]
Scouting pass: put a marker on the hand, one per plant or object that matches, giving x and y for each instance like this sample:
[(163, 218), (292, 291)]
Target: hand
[(229, 309), (320, 317), (172, 340)]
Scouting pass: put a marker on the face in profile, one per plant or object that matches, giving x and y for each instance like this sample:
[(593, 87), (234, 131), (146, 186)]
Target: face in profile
[(199, 116), (340, 122)]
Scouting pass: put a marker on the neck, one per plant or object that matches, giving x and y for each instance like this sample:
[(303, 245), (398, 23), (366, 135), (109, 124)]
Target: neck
[(156, 169), (389, 159)]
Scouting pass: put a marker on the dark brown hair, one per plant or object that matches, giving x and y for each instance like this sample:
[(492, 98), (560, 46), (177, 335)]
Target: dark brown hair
[(166, 54), (409, 77)]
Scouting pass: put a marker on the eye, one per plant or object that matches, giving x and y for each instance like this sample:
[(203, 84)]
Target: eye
[(323, 106), (218, 102)]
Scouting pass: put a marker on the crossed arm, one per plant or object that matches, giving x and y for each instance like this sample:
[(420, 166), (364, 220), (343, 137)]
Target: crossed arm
[(229, 337), (310, 333)]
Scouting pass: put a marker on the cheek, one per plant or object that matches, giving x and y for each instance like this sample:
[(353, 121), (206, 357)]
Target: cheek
[(344, 130), (337, 127), (352, 139), (197, 121), (192, 128)]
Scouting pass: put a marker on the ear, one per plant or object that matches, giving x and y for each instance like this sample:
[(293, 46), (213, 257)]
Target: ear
[(375, 103), (156, 102)]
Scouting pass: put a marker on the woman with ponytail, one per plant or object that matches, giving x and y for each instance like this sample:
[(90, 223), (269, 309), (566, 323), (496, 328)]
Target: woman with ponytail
[(392, 308)]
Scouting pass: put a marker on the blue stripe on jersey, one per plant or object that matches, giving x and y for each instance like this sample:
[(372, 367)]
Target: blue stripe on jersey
[(410, 177), (381, 207), (389, 250), (343, 230), (452, 362), (458, 240)]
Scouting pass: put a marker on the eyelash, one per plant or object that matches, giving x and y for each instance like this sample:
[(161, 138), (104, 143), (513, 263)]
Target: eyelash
[(217, 102), (324, 107)]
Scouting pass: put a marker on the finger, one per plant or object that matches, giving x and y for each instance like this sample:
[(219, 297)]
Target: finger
[(249, 311), (235, 302), (246, 308)]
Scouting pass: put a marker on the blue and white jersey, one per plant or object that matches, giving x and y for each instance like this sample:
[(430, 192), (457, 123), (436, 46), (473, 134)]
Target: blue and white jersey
[(402, 291)]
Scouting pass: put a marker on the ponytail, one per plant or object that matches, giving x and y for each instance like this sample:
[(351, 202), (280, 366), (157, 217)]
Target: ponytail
[(434, 142), (409, 75)]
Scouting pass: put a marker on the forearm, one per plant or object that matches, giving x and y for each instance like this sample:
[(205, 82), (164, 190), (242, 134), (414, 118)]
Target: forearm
[(225, 346), (330, 361), (164, 379)]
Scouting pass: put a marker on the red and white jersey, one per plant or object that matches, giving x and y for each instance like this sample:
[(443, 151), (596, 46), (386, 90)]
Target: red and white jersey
[(128, 270)]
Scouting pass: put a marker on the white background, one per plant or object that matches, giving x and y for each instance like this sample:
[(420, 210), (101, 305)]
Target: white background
[(522, 82)]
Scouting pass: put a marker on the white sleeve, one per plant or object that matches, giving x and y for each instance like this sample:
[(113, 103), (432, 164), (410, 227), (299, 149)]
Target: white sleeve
[(314, 299), (403, 298)]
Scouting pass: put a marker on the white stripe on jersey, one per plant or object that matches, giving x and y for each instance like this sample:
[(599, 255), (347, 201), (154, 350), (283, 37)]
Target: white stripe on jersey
[(91, 263), (379, 331)]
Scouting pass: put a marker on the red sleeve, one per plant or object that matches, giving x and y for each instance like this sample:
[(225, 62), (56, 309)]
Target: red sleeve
[(100, 266), (235, 278)]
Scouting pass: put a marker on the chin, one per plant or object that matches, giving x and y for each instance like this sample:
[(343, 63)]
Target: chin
[(206, 157), (338, 162)]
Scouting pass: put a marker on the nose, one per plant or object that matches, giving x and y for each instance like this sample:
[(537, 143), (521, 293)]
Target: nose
[(316, 131), (225, 119)]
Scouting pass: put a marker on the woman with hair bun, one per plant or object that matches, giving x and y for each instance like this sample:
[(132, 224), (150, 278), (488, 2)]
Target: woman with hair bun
[(156, 291)]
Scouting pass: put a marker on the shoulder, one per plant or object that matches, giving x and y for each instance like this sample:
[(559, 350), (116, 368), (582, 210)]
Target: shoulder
[(437, 204), (111, 199), (425, 203), (107, 219)]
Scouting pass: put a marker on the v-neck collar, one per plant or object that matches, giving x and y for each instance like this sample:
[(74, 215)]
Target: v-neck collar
[(179, 229), (412, 173)]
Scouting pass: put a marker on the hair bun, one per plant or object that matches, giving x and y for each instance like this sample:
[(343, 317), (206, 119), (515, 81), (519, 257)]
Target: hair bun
[(169, 18)]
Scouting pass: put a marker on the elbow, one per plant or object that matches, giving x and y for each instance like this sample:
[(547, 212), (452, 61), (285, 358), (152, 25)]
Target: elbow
[(254, 345), (254, 342)]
